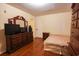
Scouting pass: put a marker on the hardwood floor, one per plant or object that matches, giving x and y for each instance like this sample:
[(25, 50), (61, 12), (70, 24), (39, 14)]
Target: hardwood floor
[(36, 48)]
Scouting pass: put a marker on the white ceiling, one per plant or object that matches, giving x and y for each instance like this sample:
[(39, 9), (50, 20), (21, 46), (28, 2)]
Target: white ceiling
[(42, 10)]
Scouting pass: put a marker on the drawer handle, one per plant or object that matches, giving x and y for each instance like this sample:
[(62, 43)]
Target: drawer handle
[(72, 32)]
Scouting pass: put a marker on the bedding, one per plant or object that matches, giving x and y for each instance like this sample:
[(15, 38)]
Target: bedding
[(57, 40), (56, 43)]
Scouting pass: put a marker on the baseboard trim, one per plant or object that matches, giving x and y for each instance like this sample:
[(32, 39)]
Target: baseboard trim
[(38, 38)]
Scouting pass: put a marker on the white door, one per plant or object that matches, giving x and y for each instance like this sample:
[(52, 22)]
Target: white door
[(38, 28)]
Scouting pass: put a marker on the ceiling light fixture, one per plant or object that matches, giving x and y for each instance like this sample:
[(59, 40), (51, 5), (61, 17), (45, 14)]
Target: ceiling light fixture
[(38, 4)]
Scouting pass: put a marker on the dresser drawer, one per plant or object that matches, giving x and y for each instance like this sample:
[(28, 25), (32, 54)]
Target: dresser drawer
[(75, 33), (77, 23), (74, 16), (74, 23), (75, 45), (78, 13), (70, 51), (75, 8)]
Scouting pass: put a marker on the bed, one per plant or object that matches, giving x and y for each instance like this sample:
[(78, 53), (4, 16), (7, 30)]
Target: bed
[(56, 44)]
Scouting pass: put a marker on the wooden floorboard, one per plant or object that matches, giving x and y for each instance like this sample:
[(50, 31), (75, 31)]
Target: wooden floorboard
[(36, 48)]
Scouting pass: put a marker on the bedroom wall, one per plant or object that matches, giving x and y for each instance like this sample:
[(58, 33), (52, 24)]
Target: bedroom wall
[(11, 12), (58, 23)]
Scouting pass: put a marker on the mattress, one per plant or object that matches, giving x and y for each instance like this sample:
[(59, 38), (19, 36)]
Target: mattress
[(57, 40), (56, 44)]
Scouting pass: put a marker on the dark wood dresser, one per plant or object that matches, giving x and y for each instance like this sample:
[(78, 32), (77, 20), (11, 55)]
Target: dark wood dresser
[(16, 41), (17, 36), (74, 40)]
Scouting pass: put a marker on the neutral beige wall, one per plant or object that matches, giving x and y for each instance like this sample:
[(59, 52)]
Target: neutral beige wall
[(58, 23), (11, 12)]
